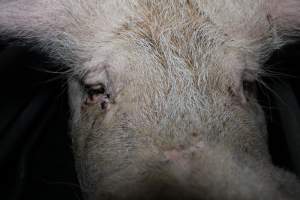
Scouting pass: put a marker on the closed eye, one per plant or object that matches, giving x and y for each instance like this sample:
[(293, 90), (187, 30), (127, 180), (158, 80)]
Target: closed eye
[(96, 94), (95, 89)]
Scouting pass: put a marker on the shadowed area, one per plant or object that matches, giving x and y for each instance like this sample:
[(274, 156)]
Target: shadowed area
[(280, 101), (35, 151)]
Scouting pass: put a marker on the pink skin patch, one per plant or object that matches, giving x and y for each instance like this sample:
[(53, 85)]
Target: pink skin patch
[(181, 157)]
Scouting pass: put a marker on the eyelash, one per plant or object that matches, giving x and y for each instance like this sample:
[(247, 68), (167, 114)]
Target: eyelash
[(98, 89)]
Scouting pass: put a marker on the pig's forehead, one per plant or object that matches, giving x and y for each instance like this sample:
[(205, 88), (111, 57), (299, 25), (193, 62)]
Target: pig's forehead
[(188, 34), (195, 34), (197, 21)]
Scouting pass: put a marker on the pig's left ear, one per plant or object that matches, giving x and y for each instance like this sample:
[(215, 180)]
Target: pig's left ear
[(285, 15), (44, 24)]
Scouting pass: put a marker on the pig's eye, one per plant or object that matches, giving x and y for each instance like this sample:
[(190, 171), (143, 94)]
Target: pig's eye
[(97, 94), (93, 90)]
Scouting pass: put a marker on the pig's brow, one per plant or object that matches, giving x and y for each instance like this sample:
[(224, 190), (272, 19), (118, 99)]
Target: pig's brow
[(82, 74)]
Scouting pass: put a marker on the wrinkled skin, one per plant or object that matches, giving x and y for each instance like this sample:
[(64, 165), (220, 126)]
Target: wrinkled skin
[(162, 92)]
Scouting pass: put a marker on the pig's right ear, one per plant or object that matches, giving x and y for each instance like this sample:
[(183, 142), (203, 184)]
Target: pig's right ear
[(285, 15), (42, 23)]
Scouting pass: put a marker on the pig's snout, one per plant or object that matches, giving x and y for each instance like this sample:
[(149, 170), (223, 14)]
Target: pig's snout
[(196, 172), (165, 175)]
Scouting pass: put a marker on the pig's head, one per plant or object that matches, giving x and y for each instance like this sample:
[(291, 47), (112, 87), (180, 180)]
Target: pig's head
[(162, 93)]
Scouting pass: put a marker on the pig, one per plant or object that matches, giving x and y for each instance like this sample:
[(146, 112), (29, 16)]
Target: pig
[(162, 92)]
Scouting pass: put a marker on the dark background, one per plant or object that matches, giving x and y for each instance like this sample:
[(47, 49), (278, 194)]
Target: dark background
[(35, 150)]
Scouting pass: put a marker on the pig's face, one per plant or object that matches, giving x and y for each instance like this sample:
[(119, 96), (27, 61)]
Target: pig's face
[(163, 94), (151, 126), (167, 107)]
